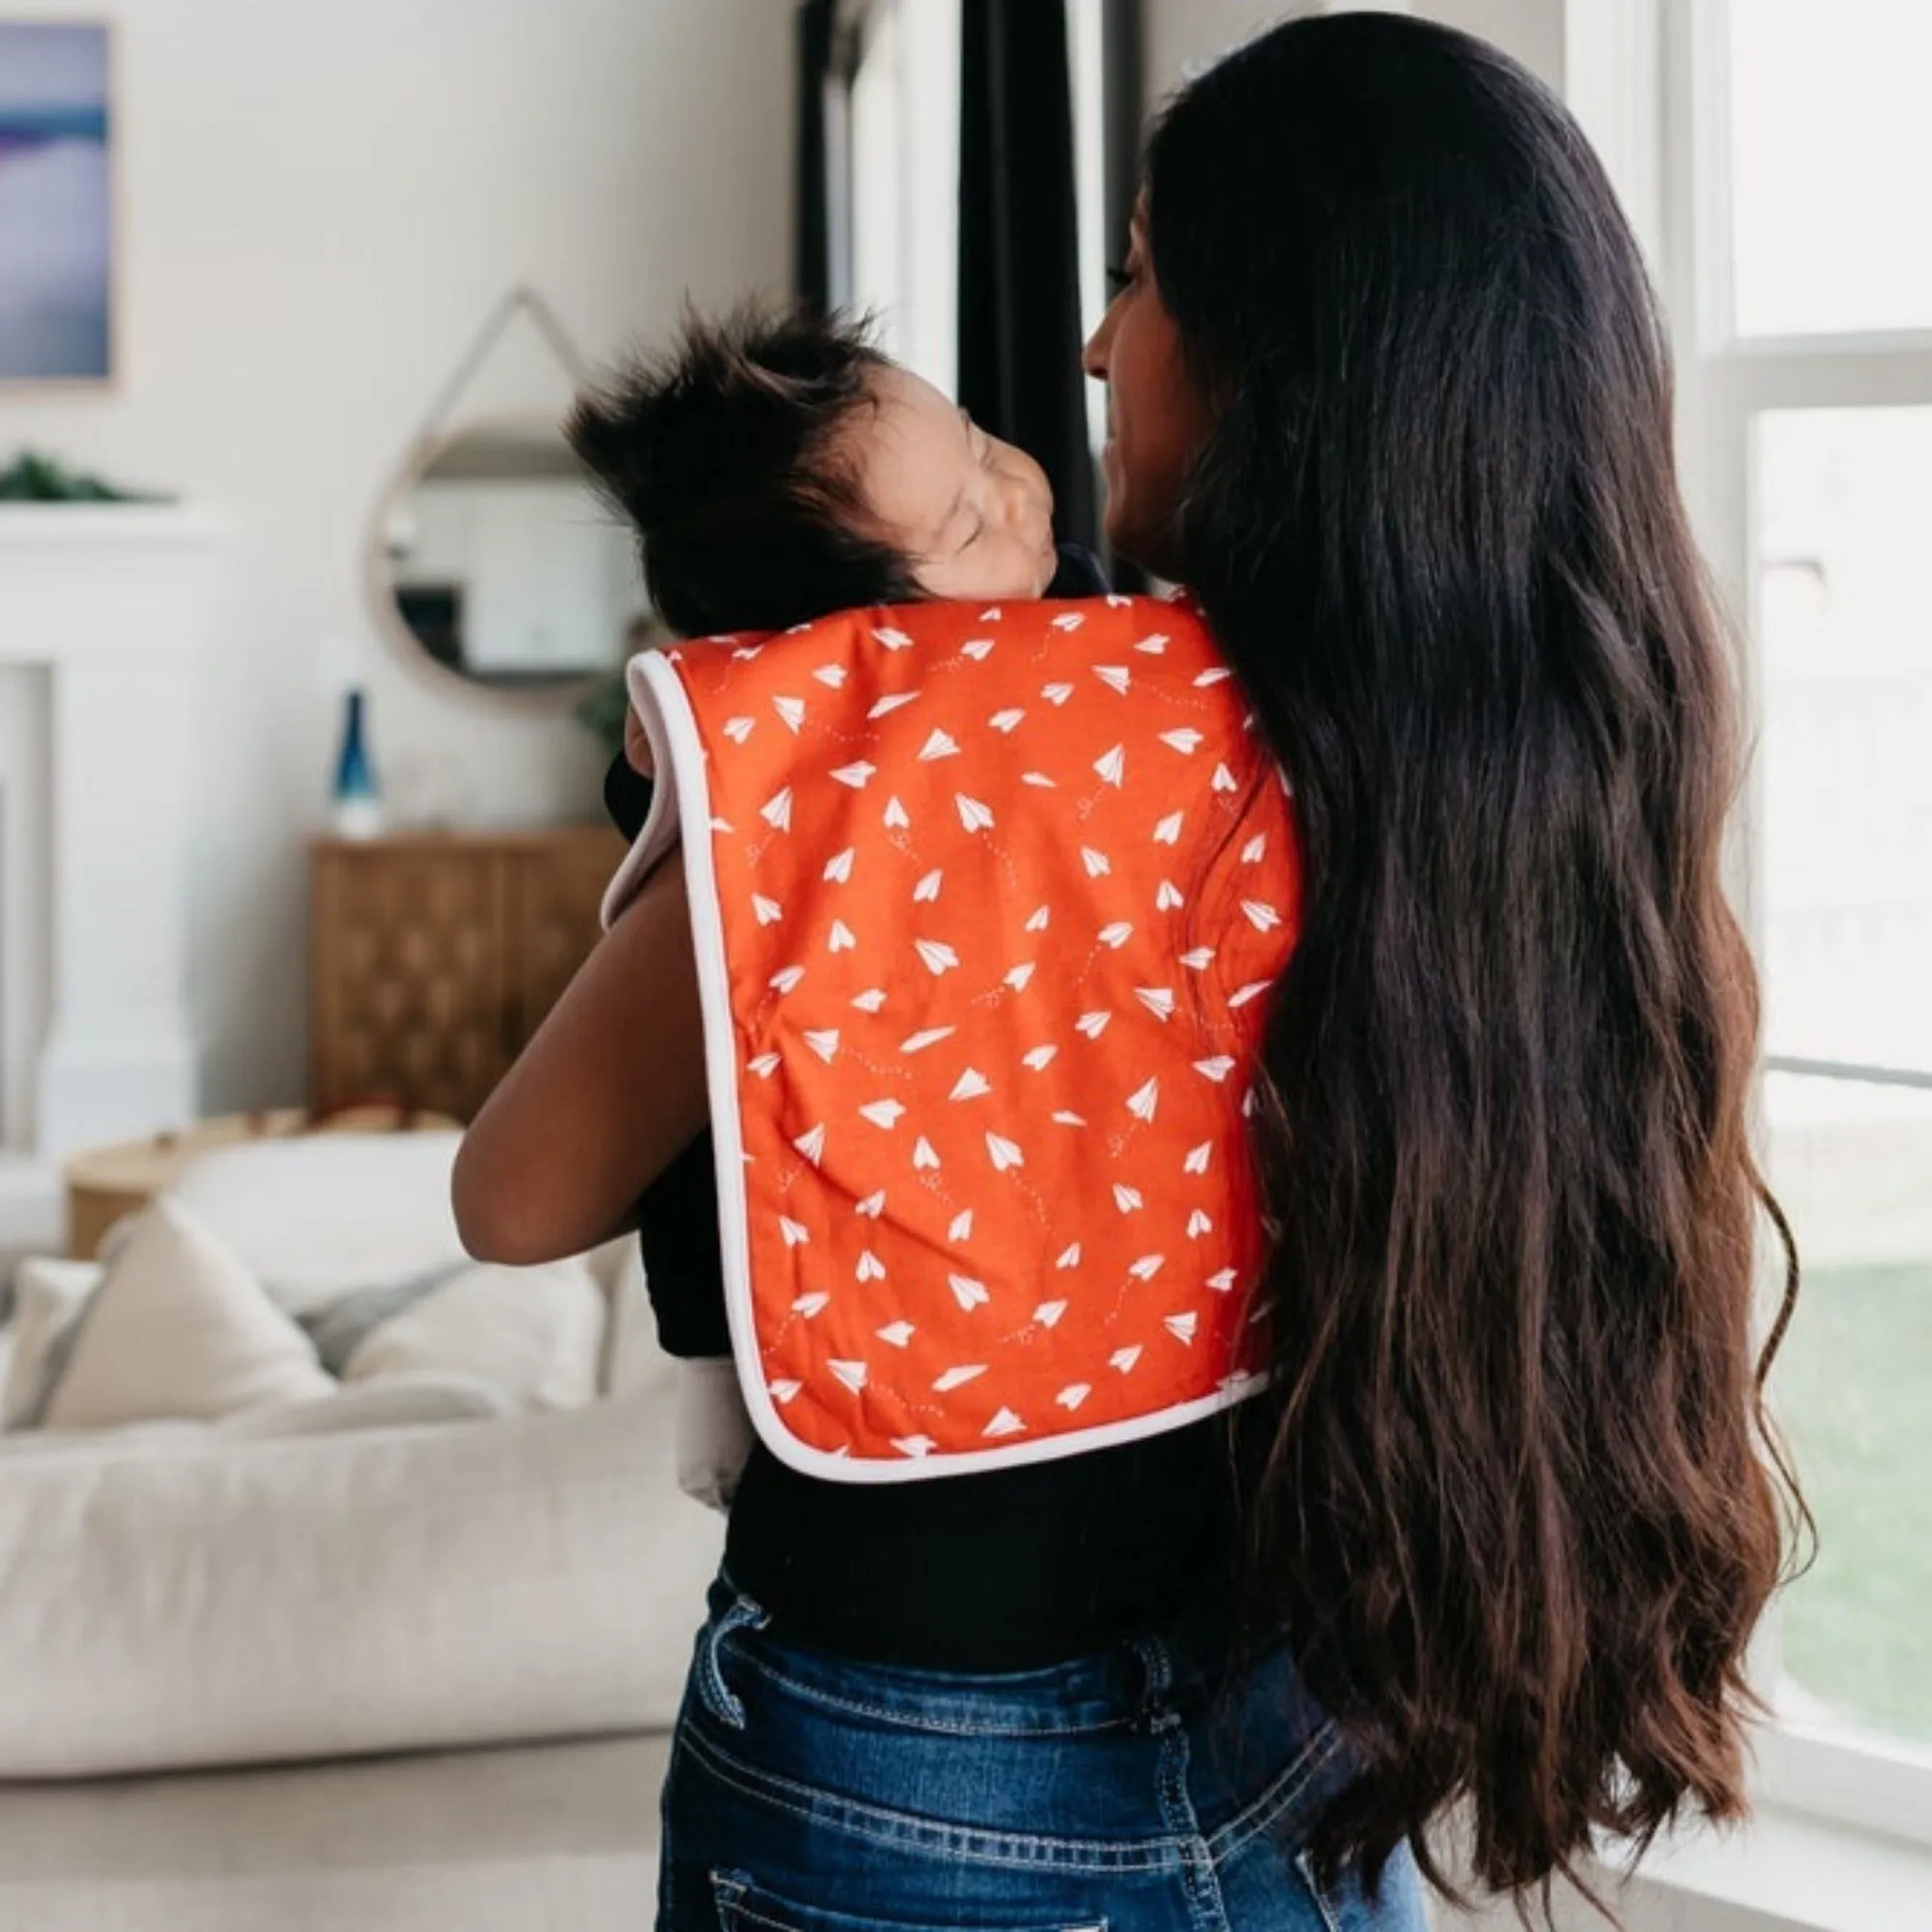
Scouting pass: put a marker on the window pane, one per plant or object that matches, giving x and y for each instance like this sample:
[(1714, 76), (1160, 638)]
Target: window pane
[(1845, 622), (878, 214), (1845, 649), (1852, 1166), (1831, 151)]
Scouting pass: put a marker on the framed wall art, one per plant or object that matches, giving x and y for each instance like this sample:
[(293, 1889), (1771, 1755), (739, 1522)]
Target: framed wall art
[(56, 202)]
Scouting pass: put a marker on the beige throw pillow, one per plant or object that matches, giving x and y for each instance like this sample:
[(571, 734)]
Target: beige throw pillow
[(180, 1328), (48, 1299), (535, 1333)]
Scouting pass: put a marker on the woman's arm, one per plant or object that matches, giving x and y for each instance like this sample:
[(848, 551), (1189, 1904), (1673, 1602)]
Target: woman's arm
[(608, 1092)]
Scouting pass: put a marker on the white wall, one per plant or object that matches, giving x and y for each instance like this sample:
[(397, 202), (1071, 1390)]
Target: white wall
[(321, 200), (1182, 36)]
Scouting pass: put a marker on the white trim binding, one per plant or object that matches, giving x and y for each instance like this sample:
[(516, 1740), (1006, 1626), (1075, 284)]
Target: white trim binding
[(678, 753)]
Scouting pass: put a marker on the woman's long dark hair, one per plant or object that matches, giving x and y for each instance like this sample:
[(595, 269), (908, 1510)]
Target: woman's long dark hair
[(1517, 1499)]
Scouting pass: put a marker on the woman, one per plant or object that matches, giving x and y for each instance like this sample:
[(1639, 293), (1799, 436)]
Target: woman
[(1388, 392)]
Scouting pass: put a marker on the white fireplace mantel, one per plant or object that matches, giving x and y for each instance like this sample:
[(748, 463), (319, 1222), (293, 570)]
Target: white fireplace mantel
[(114, 602)]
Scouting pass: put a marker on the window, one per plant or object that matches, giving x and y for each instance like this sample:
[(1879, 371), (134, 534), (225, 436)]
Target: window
[(1844, 638), (1801, 298), (905, 175), (894, 195), (1831, 149)]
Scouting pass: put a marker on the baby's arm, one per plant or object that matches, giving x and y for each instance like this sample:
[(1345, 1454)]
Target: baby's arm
[(638, 745)]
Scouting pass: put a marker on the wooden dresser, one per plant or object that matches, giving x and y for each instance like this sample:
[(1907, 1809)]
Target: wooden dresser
[(434, 957)]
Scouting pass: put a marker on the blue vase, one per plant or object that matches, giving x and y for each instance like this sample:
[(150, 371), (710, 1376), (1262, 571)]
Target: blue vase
[(357, 801)]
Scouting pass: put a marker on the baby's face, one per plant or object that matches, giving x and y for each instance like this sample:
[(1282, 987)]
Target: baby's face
[(972, 514)]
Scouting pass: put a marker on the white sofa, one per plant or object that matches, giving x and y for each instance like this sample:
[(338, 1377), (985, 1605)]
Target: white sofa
[(186, 1612)]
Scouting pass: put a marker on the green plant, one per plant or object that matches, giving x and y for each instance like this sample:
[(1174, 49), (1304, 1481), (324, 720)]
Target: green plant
[(600, 711), (34, 478)]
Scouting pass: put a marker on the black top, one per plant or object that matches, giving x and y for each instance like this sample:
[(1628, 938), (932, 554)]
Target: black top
[(997, 1571)]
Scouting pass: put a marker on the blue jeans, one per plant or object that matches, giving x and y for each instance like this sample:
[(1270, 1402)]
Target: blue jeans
[(810, 1792)]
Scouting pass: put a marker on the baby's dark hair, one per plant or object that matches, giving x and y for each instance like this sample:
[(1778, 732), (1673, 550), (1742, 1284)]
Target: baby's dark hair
[(723, 452)]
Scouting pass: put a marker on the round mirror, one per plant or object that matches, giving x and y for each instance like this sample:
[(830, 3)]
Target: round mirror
[(494, 557)]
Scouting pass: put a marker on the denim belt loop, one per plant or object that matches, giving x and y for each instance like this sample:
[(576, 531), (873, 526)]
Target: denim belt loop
[(1156, 1714), (743, 1613)]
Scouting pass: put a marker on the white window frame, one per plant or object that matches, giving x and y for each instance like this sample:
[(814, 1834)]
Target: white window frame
[(1648, 80), (903, 179), (896, 228)]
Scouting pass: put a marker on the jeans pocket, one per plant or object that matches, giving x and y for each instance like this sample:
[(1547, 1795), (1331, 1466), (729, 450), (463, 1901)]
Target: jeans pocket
[(1321, 1895), (744, 1905)]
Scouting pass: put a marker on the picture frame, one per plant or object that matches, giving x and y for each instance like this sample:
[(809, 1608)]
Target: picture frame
[(58, 299)]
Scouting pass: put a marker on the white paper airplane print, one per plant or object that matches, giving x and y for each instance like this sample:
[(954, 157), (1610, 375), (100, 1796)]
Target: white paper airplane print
[(1004, 1154), (968, 1292)]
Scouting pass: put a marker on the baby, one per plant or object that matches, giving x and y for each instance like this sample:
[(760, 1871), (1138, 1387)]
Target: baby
[(778, 468)]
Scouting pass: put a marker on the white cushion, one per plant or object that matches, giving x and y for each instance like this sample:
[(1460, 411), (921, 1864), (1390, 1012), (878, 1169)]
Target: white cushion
[(535, 1333), (180, 1328), (316, 1214), (413, 1399), (375, 1591), (47, 1295), (140, 1438)]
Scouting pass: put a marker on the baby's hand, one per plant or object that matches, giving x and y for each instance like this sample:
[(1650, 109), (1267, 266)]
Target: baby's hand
[(637, 746)]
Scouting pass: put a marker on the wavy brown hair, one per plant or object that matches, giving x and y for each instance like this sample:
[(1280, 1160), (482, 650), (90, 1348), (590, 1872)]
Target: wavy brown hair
[(1515, 1496)]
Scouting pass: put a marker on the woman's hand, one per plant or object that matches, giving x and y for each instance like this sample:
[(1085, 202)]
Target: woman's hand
[(609, 1091)]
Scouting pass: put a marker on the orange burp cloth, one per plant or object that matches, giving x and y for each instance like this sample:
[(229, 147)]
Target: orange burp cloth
[(987, 905)]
